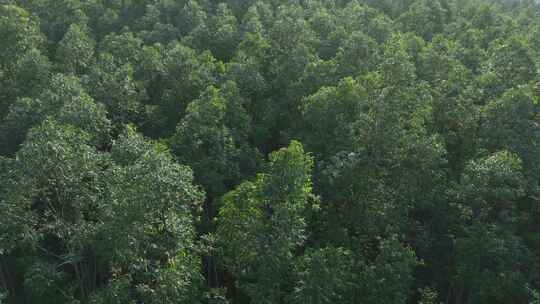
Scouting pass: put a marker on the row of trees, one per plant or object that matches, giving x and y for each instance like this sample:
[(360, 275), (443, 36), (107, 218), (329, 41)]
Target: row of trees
[(250, 151)]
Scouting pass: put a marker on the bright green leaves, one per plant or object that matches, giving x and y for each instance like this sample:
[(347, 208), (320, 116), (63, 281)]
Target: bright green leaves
[(113, 84), (180, 74), (262, 222), (129, 213), (364, 18), (288, 182), (421, 116), (75, 51), (56, 17), (509, 65), (19, 32), (221, 34), (425, 18), (388, 278), (455, 115), (21, 38), (11, 228), (149, 234), (510, 122), (33, 74), (278, 196), (124, 48), (491, 187), (329, 115), (253, 43), (510, 60), (213, 139), (325, 276), (369, 134), (491, 195), (54, 200), (66, 101), (357, 54), (396, 67), (336, 275)]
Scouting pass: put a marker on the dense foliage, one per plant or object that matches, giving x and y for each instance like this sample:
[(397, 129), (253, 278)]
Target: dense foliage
[(270, 151)]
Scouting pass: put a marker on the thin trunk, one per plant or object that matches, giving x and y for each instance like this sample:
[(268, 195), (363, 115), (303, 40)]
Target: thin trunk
[(7, 281), (85, 279), (94, 262), (3, 275), (79, 279)]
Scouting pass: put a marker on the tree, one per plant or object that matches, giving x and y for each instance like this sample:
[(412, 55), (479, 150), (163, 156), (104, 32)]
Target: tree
[(53, 203), (20, 34), (262, 223), (357, 54), (417, 180), (148, 233), (213, 139), (510, 123), (329, 115), (66, 101), (508, 66), (75, 51), (425, 18), (113, 84), (389, 278), (358, 17), (33, 74), (129, 213), (490, 260), (124, 48), (220, 34), (456, 117), (325, 276), (491, 187), (57, 16), (489, 196), (182, 74)]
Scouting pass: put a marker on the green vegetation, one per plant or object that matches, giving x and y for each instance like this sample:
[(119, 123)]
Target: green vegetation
[(269, 151)]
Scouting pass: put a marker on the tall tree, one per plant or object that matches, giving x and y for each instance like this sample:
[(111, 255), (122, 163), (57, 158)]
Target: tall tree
[(262, 223), (20, 34), (75, 51)]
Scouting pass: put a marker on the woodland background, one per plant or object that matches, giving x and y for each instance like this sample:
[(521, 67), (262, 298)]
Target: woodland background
[(248, 151)]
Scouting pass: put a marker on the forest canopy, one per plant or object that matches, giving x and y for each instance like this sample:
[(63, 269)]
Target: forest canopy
[(269, 151)]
